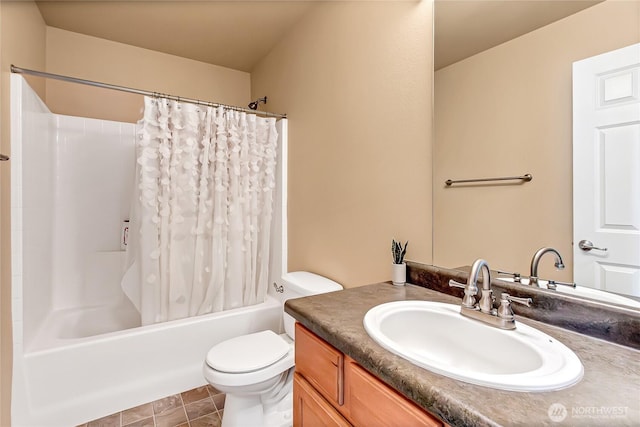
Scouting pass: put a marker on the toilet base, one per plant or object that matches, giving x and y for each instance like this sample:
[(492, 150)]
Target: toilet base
[(282, 415), (242, 411), (271, 408)]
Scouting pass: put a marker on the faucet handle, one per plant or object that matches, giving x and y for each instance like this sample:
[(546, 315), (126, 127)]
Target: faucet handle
[(455, 284), (509, 298), (516, 276), (552, 284), (504, 311), (468, 300)]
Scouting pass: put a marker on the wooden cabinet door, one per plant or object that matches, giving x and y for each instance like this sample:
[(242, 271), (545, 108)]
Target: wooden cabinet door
[(312, 410), (372, 403), (320, 364)]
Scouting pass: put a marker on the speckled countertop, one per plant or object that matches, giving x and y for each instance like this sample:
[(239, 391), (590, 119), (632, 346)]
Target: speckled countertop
[(609, 393)]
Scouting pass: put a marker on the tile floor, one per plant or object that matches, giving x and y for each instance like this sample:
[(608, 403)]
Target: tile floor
[(200, 407)]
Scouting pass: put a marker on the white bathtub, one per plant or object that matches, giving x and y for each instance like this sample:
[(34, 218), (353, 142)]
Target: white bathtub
[(75, 380), (63, 327)]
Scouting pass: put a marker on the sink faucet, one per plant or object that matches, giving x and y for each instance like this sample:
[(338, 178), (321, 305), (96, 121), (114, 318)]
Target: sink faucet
[(471, 289), (483, 310), (533, 280)]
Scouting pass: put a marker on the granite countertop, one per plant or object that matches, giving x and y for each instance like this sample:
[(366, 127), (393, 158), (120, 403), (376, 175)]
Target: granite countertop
[(608, 394)]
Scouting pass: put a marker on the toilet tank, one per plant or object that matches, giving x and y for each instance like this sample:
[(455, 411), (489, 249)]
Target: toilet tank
[(301, 284)]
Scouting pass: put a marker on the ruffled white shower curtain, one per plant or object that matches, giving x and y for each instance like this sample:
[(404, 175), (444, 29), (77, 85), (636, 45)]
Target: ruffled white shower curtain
[(201, 214)]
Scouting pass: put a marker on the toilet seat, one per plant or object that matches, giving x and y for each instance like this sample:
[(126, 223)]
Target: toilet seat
[(276, 357), (247, 353)]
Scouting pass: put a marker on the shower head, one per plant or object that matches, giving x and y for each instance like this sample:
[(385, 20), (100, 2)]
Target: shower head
[(254, 105)]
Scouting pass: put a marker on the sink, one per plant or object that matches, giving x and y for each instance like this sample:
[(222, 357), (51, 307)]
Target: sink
[(436, 337), (583, 291)]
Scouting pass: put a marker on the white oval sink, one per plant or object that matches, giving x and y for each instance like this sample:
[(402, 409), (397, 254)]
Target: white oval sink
[(435, 336), (583, 291)]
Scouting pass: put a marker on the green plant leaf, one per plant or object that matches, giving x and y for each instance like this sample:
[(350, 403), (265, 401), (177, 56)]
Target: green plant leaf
[(398, 251)]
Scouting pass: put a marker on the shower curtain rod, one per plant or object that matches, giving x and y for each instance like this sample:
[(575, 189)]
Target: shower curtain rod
[(19, 70)]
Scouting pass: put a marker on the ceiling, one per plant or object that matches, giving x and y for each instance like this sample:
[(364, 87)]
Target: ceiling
[(233, 34), (466, 27), (237, 34)]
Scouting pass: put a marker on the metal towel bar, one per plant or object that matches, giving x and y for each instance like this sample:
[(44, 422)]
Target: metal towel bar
[(526, 178)]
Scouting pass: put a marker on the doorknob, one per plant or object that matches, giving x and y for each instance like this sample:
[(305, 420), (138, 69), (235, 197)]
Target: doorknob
[(587, 245)]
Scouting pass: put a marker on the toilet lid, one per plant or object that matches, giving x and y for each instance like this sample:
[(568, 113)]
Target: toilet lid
[(247, 352)]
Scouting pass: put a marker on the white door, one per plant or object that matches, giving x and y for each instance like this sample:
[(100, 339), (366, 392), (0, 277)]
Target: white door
[(606, 171)]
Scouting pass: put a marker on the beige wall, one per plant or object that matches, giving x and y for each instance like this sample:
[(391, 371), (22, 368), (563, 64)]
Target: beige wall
[(92, 58), (22, 42), (355, 80), (506, 112)]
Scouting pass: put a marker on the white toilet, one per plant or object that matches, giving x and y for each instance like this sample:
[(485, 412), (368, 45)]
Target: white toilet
[(256, 370)]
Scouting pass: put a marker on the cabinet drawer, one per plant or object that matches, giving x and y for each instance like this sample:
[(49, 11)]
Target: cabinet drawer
[(372, 403), (310, 409), (320, 364)]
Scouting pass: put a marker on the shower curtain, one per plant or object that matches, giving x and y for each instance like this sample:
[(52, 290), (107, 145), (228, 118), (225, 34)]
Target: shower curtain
[(201, 215)]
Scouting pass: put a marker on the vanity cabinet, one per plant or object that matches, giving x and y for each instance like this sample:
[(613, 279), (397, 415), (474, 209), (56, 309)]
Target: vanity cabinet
[(320, 364), (312, 410), (331, 389)]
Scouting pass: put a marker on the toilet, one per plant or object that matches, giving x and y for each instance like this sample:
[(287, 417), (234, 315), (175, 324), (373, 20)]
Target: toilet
[(256, 370)]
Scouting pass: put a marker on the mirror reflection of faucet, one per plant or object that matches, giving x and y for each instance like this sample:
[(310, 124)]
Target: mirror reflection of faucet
[(553, 284), (533, 279), (516, 276), (524, 280)]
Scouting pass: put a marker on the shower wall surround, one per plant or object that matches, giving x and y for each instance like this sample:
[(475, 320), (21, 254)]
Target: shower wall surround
[(94, 174), (71, 254), (32, 198)]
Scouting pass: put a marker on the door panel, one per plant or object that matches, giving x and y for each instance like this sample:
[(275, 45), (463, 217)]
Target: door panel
[(606, 170)]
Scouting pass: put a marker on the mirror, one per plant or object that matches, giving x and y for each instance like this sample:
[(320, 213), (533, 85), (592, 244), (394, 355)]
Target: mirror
[(507, 111)]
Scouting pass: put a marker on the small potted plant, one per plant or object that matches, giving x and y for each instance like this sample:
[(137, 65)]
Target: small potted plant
[(398, 268)]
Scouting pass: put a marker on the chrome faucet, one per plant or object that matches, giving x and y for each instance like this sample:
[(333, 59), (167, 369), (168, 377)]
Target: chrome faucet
[(483, 310), (533, 279)]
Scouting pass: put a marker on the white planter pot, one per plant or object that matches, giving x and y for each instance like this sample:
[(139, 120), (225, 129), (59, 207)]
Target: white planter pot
[(399, 274)]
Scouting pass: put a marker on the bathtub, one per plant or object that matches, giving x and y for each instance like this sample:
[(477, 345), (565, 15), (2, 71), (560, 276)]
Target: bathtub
[(72, 378)]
